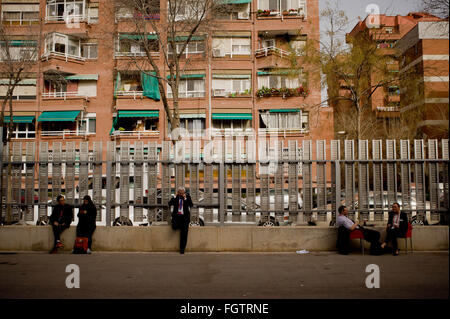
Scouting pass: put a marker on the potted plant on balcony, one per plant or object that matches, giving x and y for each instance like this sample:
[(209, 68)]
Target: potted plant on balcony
[(285, 12), (263, 92), (293, 12), (263, 13)]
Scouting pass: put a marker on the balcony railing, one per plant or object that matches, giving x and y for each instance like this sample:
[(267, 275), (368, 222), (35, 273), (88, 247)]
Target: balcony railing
[(134, 54), (137, 134), (284, 131), (273, 13), (73, 18), (272, 50), (134, 94), (64, 95), (232, 132), (65, 133), (387, 109), (64, 55), (189, 94)]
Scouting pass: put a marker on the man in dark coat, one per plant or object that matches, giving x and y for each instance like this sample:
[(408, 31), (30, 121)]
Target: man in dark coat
[(397, 227), (60, 219), (87, 217), (181, 215)]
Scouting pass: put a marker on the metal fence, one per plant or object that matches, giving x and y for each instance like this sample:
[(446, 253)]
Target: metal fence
[(230, 181)]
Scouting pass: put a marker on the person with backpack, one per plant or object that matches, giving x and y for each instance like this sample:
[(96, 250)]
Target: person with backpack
[(87, 217), (60, 220), (181, 216)]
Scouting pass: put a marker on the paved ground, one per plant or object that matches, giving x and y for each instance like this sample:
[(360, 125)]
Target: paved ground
[(224, 275)]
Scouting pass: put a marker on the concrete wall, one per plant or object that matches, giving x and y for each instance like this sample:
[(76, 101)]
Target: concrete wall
[(207, 239)]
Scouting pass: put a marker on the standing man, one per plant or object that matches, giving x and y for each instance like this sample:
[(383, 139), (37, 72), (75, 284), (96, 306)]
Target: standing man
[(370, 235), (60, 219), (181, 215), (397, 226)]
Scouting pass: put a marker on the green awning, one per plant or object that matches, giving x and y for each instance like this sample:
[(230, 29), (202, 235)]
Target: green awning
[(284, 110), (20, 119), (23, 82), (190, 76), (58, 116), (20, 43), (184, 38), (82, 77), (137, 36), (150, 86), (279, 72), (231, 76), (232, 116), (234, 1), (138, 113)]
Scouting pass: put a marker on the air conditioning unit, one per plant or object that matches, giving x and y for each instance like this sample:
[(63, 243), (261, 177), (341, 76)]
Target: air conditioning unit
[(219, 92), (218, 53), (243, 15)]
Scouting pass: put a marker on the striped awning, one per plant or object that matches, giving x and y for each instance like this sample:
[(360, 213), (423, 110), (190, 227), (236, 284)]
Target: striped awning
[(284, 110), (137, 36), (232, 116), (20, 119), (190, 76), (138, 113), (58, 116)]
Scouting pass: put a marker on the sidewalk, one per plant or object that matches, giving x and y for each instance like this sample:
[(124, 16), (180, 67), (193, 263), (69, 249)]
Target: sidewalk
[(224, 275)]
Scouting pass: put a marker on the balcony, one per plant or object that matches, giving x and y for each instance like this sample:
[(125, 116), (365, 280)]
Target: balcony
[(283, 132), (232, 132), (282, 92), (66, 134), (135, 134), (291, 13), (54, 101), (387, 111)]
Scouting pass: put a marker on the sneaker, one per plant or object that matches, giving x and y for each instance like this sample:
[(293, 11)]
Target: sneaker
[(182, 252), (59, 244), (89, 251)]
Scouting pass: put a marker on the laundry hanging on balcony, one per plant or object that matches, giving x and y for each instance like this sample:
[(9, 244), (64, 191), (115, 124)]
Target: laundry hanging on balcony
[(150, 86)]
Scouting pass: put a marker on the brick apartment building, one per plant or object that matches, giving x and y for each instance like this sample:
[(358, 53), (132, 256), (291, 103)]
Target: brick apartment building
[(386, 102), (101, 97), (425, 48)]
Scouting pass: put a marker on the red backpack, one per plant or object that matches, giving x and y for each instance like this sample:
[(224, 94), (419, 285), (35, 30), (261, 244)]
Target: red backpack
[(81, 245)]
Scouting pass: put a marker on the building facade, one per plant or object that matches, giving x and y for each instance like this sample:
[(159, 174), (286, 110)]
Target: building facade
[(84, 87)]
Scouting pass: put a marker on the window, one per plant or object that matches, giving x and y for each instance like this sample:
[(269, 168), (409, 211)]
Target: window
[(24, 130), (62, 44), (285, 120), (195, 127), (196, 47), (87, 125), (282, 5), (132, 47), (18, 50), (89, 50), (393, 90), (185, 10), (226, 86), (389, 30), (58, 10), (21, 92), (189, 88), (278, 82), (18, 14), (231, 124), (231, 46)]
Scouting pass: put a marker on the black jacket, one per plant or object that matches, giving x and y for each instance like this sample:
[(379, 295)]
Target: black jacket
[(62, 214), (186, 205), (403, 227), (86, 222)]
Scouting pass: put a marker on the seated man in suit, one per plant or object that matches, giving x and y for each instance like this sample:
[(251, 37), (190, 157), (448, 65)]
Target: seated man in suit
[(370, 235), (397, 226)]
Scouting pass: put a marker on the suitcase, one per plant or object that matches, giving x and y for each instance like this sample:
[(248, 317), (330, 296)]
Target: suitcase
[(81, 245)]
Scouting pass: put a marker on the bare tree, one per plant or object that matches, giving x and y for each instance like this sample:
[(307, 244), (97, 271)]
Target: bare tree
[(16, 62), (438, 8), (164, 33)]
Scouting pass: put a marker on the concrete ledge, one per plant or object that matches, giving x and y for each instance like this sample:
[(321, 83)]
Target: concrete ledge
[(208, 239)]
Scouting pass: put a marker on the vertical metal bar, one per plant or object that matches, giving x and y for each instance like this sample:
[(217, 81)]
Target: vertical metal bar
[(236, 182), (251, 180), (363, 179), (350, 176), (124, 179), (405, 156), (138, 181), (29, 180), (391, 167), (335, 178), (445, 180), (110, 182), (321, 147), (1, 173), (194, 179), (419, 178), (221, 192), (293, 180), (165, 178), (264, 195), (433, 175), (56, 170), (97, 181), (16, 180), (378, 196), (152, 184), (70, 173), (278, 181), (43, 178), (307, 181)]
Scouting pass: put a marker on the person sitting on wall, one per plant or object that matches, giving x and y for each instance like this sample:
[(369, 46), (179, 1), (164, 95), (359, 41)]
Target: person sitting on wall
[(60, 219), (181, 215), (370, 235), (397, 227)]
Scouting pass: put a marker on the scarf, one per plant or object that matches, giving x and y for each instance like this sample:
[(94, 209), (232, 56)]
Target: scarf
[(180, 206), (396, 220)]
